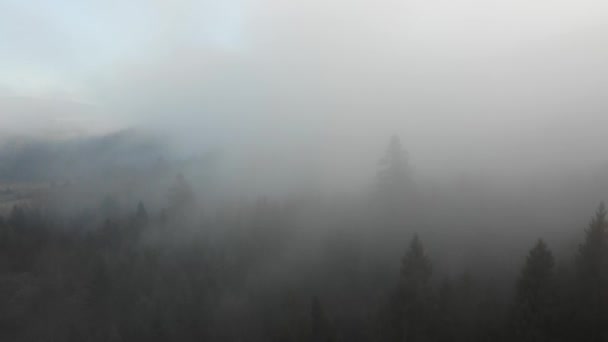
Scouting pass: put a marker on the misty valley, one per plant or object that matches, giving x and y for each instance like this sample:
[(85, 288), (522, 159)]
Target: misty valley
[(303, 170), (111, 238)]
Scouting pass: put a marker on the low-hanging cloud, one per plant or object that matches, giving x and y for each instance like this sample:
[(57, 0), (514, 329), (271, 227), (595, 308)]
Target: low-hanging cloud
[(468, 84)]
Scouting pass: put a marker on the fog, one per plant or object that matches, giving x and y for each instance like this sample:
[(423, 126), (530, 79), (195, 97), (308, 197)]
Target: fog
[(507, 88), (174, 170)]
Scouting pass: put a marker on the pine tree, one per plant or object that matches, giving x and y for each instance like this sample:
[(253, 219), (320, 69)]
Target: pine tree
[(457, 309), (592, 259), (592, 266), (534, 308), (416, 268), (412, 303), (394, 177)]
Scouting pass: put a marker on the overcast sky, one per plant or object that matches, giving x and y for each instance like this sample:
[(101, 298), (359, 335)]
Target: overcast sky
[(468, 84)]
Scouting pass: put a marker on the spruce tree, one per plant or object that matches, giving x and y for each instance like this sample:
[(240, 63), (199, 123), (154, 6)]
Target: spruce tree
[(411, 304), (592, 267), (394, 176), (592, 258), (416, 268), (534, 308)]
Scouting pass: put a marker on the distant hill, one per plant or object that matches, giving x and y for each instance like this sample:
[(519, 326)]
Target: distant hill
[(43, 159), (51, 118)]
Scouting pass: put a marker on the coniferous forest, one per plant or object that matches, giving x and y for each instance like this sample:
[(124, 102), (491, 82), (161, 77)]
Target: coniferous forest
[(303, 171), (388, 265)]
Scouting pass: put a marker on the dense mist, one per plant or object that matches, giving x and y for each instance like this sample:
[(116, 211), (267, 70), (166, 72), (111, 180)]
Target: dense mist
[(262, 170)]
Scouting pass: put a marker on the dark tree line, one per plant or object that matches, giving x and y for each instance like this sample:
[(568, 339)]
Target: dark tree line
[(117, 283), (261, 272)]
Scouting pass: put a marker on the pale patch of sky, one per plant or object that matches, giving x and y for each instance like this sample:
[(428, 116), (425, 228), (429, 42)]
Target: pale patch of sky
[(45, 44)]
